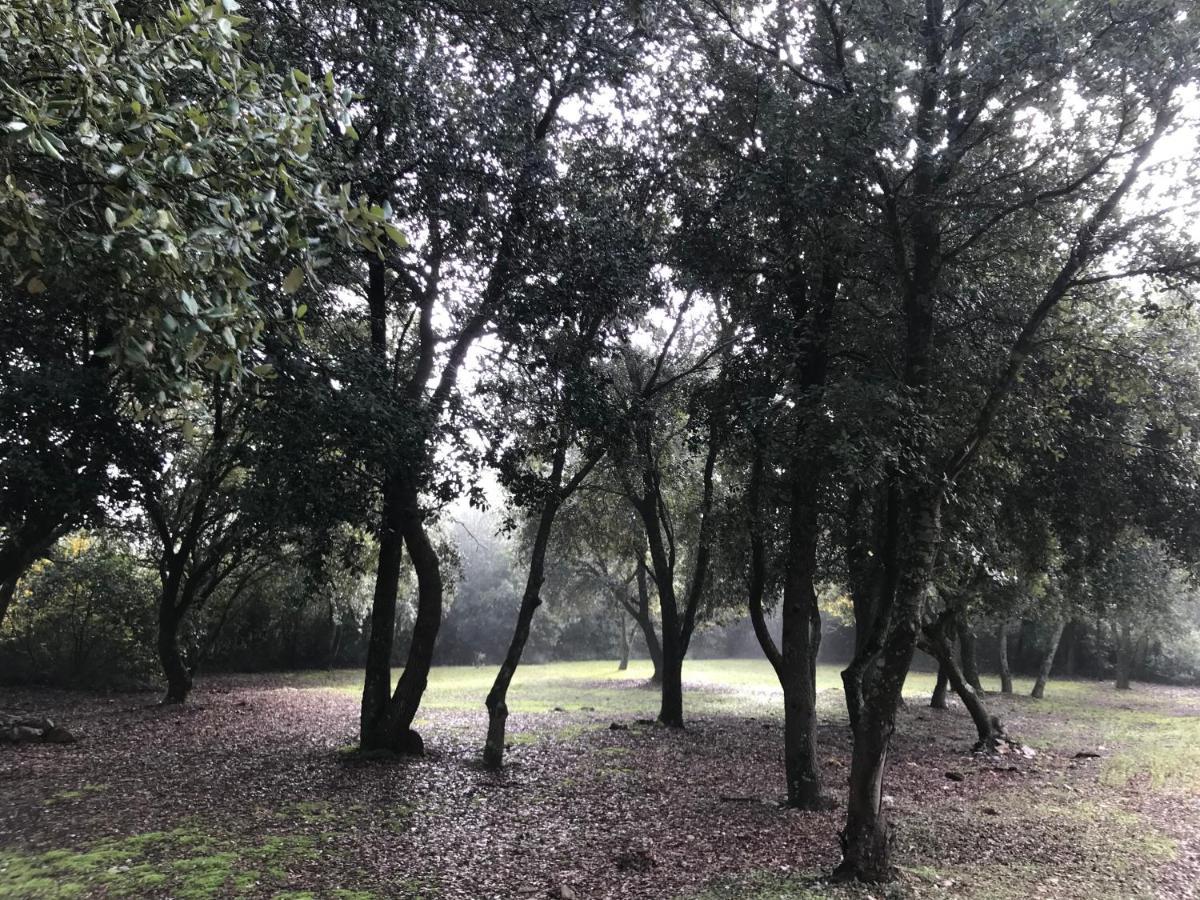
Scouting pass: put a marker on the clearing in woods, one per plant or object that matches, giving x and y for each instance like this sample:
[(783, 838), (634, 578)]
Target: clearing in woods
[(254, 790)]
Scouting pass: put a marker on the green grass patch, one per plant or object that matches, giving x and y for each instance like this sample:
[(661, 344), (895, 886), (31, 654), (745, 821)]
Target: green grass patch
[(712, 687), (185, 863)]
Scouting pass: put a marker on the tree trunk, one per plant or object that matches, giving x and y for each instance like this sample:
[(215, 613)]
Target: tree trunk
[(1039, 686), (410, 688), (670, 711), (1006, 685), (987, 727), (179, 679), (970, 657), (873, 682), (937, 700), (1124, 656), (377, 682), (335, 637), (866, 837), (1072, 636), (801, 639), (646, 622), (1140, 653), (497, 705), (623, 665)]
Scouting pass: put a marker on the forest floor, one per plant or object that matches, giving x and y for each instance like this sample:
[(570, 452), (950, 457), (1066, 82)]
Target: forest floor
[(254, 790)]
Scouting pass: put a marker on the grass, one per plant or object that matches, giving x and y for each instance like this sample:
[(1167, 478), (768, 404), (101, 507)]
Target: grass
[(187, 863), (718, 686), (1147, 739)]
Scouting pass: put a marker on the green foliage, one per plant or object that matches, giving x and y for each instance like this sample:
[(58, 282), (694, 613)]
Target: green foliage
[(84, 617), (150, 169)]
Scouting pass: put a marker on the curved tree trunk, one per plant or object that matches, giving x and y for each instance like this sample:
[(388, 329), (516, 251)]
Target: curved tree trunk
[(497, 698), (937, 700), (646, 622), (987, 726), (970, 657), (1039, 686), (406, 699), (1006, 685)]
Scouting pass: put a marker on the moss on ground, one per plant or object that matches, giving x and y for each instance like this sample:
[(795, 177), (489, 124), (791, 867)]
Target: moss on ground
[(186, 863)]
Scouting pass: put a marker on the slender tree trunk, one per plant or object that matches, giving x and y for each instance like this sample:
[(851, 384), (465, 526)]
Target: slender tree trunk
[(497, 705), (377, 683), (623, 665), (1071, 634), (1006, 685), (335, 637), (1039, 686), (937, 700), (1140, 653), (646, 622), (1124, 656), (970, 656)]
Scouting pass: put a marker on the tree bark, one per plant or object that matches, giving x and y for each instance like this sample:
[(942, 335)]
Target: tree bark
[(623, 637), (377, 682), (1072, 635), (987, 726), (937, 700), (646, 622), (874, 681), (1039, 686), (1124, 656), (970, 657), (670, 711), (1006, 685), (801, 641), (406, 699), (170, 656), (497, 705)]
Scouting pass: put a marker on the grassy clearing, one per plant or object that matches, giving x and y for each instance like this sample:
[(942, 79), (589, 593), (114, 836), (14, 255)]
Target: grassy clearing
[(1072, 837), (717, 687), (1144, 736), (187, 863)]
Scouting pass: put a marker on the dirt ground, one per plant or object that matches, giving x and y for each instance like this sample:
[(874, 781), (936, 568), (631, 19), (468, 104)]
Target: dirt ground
[(254, 790)]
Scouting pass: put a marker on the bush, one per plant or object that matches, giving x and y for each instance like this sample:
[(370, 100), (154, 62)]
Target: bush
[(83, 617)]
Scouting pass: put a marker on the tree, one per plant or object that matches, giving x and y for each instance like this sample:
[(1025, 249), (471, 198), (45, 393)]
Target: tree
[(152, 174), (673, 421), (967, 175), (202, 519), (601, 543), (464, 159)]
